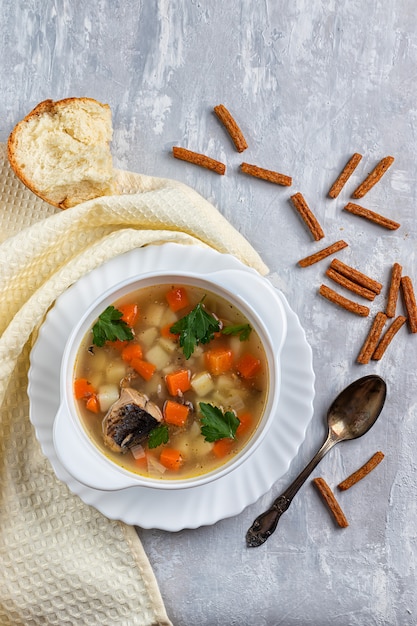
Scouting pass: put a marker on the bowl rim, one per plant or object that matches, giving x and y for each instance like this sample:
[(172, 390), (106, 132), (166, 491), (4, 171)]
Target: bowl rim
[(272, 335)]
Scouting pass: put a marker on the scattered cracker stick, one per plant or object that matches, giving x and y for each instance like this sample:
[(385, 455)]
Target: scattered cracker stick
[(394, 289), (307, 216), (343, 302), (356, 276), (409, 302), (350, 284), (269, 175), (344, 175), (322, 254), (372, 338), (373, 177), (362, 471), (389, 335), (376, 218), (231, 126), (329, 498), (199, 159)]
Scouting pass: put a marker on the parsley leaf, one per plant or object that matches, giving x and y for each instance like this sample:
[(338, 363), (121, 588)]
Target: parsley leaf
[(243, 330), (195, 328), (110, 327), (158, 436), (216, 424)]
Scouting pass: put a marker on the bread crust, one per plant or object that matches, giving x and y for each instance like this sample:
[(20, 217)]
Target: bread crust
[(46, 107)]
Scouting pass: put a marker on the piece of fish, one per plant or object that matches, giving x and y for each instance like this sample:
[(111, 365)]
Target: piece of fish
[(129, 420)]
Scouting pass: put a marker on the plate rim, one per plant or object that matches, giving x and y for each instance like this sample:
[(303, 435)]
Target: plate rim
[(218, 495)]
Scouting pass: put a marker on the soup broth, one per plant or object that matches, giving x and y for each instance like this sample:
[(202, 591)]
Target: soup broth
[(222, 384)]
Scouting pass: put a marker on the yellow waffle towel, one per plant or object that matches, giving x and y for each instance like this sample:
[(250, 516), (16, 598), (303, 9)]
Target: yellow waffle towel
[(61, 561)]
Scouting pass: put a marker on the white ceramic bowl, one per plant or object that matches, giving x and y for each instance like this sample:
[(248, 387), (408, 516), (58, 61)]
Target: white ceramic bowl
[(252, 294)]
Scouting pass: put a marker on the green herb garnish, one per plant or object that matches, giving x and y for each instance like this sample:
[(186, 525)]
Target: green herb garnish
[(195, 328), (216, 424), (242, 330), (158, 436), (110, 327)]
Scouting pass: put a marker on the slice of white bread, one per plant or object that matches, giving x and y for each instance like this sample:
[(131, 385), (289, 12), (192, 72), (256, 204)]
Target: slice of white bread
[(61, 151)]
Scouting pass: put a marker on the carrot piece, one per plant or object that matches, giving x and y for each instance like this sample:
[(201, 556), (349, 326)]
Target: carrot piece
[(83, 388), (132, 351), (130, 313), (219, 360), (178, 382), (143, 368), (171, 459), (248, 365), (167, 334), (246, 421), (177, 298), (93, 404), (175, 413), (223, 447)]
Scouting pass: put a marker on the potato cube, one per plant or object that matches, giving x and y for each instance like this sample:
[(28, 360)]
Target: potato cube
[(225, 382), (107, 395), (153, 314), (147, 337), (169, 317), (115, 371), (202, 383), (158, 357), (236, 403), (167, 344)]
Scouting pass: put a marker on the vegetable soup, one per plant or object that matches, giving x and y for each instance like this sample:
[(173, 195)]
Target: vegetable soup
[(171, 381)]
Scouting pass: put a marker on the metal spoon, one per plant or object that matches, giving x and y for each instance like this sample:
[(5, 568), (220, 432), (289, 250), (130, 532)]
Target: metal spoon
[(351, 415)]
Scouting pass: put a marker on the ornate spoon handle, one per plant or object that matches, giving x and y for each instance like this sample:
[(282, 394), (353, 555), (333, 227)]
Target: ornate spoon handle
[(266, 523)]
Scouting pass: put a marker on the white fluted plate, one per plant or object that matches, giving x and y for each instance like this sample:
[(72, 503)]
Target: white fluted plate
[(184, 508)]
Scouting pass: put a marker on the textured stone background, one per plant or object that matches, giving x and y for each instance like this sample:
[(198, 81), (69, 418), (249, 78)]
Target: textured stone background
[(310, 82)]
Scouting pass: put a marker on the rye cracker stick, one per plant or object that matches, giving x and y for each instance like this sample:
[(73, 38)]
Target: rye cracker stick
[(307, 216), (269, 175), (376, 218), (409, 302), (350, 284), (322, 254), (199, 159), (231, 126), (373, 177), (345, 303), (329, 498), (362, 471), (356, 276), (344, 175), (389, 335), (394, 288), (372, 338)]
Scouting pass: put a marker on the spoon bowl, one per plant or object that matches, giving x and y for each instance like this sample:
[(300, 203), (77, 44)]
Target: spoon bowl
[(351, 415), (357, 407)]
